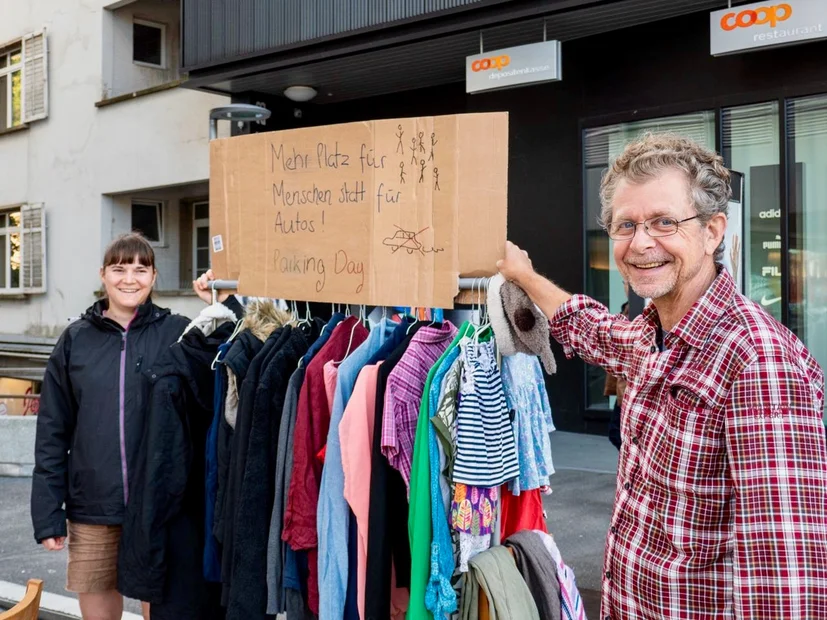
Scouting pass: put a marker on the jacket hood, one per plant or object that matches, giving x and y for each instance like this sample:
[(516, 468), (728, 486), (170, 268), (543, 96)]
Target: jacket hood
[(263, 318), (147, 313)]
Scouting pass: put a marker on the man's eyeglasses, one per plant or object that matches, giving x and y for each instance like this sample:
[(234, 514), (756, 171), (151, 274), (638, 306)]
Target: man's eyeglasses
[(661, 226)]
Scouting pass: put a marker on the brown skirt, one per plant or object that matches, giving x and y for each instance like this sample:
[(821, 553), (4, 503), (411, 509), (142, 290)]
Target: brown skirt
[(93, 558)]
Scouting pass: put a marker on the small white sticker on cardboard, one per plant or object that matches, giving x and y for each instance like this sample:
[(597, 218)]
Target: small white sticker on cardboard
[(217, 244)]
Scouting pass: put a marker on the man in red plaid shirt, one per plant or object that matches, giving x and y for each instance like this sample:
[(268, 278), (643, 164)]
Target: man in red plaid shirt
[(721, 502)]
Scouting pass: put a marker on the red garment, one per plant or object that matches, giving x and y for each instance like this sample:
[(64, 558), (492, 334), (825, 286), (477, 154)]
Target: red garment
[(721, 502), (520, 512), (312, 423)]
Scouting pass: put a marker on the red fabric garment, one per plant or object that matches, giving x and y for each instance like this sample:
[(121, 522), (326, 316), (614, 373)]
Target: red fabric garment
[(312, 423), (520, 512), (721, 502)]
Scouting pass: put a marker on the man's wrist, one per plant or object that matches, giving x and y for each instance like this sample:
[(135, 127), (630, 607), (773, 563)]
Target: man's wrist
[(529, 282)]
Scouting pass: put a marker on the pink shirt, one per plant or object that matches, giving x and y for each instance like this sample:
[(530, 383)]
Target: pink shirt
[(356, 435), (331, 373)]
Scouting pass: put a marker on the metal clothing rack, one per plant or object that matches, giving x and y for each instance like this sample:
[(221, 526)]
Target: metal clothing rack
[(465, 284)]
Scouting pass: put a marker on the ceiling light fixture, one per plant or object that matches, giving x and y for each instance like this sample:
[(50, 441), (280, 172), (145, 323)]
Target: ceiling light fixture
[(300, 93)]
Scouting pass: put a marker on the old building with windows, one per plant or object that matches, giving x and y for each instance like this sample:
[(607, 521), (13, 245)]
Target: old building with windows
[(96, 139)]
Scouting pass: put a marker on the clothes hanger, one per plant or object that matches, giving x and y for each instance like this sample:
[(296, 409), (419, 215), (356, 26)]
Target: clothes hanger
[(485, 323), (413, 322), (239, 325), (352, 331)]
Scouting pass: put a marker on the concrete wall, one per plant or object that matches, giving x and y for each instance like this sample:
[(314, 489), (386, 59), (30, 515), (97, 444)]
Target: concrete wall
[(17, 445), (77, 158)]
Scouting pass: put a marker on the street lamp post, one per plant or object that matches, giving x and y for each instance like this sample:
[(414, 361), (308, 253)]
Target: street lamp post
[(241, 112)]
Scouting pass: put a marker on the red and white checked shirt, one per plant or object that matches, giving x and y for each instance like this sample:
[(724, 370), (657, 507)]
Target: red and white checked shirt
[(721, 502)]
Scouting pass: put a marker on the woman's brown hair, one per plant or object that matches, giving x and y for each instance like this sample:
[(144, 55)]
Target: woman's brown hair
[(128, 248)]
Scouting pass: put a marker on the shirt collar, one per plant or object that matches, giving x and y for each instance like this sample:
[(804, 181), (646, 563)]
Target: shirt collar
[(695, 326), (435, 335)]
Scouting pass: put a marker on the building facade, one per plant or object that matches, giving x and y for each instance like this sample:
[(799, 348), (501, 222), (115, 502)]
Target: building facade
[(96, 139), (750, 81)]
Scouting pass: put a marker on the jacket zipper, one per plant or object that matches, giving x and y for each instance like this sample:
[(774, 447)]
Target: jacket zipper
[(122, 417)]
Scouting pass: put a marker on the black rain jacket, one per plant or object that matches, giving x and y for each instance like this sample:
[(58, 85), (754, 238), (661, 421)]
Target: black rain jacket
[(92, 407), (161, 553)]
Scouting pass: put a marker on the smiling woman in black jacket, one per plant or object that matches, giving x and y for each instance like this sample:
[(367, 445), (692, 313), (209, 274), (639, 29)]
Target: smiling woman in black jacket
[(93, 401)]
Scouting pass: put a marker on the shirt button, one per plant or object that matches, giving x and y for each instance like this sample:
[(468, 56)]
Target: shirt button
[(613, 531), (607, 618), (634, 440), (608, 575), (627, 486), (652, 349)]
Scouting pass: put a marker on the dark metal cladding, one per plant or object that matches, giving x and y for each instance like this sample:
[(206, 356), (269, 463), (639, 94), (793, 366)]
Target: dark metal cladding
[(219, 30)]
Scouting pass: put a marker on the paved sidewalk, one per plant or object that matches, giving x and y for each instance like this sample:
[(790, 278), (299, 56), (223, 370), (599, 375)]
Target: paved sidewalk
[(578, 511), (22, 559)]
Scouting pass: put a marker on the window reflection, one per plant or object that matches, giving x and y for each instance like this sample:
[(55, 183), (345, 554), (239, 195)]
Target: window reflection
[(807, 150)]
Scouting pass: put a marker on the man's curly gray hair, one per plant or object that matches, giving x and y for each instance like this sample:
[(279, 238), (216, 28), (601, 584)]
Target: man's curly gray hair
[(651, 155)]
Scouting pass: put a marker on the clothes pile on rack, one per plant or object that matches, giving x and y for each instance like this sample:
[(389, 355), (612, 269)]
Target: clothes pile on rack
[(347, 469)]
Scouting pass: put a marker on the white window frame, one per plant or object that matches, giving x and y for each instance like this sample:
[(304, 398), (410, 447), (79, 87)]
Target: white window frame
[(8, 70), (196, 223), (160, 216), (7, 231), (163, 29)]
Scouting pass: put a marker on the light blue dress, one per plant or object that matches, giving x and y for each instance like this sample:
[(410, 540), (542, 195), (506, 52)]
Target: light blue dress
[(525, 393)]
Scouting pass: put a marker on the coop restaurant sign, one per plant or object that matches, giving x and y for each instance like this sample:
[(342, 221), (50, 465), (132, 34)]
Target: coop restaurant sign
[(749, 27)]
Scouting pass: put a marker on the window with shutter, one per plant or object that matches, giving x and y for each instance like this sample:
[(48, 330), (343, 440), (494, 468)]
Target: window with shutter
[(35, 77), (33, 249)]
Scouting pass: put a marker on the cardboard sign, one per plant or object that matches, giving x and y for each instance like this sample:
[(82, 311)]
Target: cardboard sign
[(381, 213)]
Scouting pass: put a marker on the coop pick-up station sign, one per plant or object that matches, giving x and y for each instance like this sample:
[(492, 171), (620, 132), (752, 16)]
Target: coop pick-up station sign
[(385, 212)]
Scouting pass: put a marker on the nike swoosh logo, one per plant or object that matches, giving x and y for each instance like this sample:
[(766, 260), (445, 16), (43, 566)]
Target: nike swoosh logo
[(769, 301)]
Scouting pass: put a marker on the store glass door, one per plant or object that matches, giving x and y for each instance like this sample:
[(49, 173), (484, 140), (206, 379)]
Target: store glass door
[(806, 128)]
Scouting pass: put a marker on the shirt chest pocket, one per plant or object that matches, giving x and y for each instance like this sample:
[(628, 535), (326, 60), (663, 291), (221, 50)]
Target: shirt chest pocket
[(689, 452)]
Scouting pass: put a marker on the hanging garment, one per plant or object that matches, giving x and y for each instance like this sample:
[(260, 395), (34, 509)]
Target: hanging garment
[(403, 397), (247, 401), (310, 436), (486, 450), (244, 358), (446, 486), (248, 600), (440, 596), (356, 437), (237, 361), (333, 511), (331, 373), (444, 417), (285, 591), (420, 534), (539, 573), (571, 603), (212, 553), (526, 396), (474, 516), (389, 550), (276, 551), (509, 598), (521, 512), (160, 558)]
